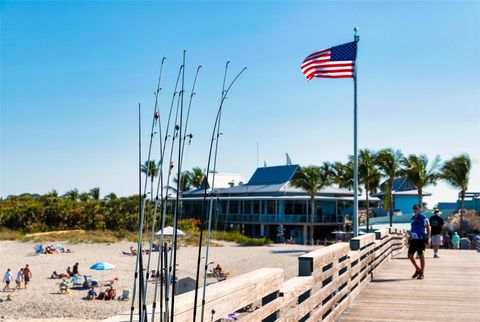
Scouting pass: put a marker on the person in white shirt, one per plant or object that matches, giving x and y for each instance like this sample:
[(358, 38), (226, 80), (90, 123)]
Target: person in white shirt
[(19, 278), (7, 279)]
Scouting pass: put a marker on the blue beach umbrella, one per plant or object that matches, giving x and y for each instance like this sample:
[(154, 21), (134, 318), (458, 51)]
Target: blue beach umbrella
[(102, 266)]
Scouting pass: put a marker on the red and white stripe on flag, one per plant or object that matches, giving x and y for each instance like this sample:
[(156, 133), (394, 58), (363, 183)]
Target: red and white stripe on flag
[(335, 62)]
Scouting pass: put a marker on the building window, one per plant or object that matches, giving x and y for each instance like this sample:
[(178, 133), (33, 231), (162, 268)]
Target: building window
[(224, 206), (289, 208), (295, 207), (300, 207), (257, 210), (233, 207), (326, 210), (271, 207), (247, 207)]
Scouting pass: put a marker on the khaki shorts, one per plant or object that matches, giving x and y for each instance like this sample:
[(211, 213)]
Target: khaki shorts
[(437, 240)]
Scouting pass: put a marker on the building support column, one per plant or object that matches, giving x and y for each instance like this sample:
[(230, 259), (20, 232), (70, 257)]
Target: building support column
[(262, 230), (305, 234)]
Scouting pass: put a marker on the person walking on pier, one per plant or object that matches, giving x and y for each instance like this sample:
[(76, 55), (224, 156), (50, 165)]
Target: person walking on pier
[(419, 236), (455, 241), (436, 226)]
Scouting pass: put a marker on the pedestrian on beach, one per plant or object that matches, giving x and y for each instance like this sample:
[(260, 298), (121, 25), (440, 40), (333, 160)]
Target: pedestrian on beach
[(7, 279), (436, 226), (27, 275), (419, 236), (75, 269), (455, 241), (19, 278)]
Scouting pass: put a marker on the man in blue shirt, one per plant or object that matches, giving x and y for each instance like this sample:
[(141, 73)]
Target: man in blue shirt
[(419, 237)]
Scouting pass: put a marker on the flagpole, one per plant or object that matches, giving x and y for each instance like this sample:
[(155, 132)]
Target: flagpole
[(355, 152)]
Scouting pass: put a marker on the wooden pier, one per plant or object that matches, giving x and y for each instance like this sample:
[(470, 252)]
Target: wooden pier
[(449, 292), (368, 279)]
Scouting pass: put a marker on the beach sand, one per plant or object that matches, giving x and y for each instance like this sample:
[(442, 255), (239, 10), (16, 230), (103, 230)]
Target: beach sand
[(42, 301)]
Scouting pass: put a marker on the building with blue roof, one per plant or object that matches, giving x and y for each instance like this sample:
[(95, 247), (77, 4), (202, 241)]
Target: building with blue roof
[(405, 195), (268, 201)]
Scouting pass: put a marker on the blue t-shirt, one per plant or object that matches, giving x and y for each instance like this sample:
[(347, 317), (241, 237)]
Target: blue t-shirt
[(418, 226)]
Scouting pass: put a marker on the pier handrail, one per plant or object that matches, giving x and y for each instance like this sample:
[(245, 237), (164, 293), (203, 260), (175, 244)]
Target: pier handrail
[(329, 279)]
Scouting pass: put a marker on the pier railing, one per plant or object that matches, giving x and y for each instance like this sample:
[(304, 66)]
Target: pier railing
[(328, 280)]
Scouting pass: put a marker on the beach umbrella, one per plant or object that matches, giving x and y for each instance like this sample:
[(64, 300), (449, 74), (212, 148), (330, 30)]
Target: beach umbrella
[(168, 232), (102, 266)]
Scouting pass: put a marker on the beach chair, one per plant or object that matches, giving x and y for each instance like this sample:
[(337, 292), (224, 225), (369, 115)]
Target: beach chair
[(210, 273), (38, 250), (125, 295), (75, 280)]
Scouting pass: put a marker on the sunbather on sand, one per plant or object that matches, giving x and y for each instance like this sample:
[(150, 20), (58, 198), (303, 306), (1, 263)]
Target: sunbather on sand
[(49, 249), (132, 252), (110, 282), (91, 294), (55, 275), (110, 294)]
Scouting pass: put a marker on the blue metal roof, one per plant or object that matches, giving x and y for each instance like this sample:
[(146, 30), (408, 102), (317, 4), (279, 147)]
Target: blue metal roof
[(273, 175), (403, 184)]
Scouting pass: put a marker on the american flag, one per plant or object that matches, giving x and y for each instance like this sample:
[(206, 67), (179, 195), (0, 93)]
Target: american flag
[(335, 62)]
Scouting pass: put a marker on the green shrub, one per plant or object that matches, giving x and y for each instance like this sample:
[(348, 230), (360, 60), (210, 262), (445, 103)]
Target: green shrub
[(240, 239)]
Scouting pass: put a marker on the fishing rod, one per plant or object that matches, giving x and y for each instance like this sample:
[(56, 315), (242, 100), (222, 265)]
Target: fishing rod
[(210, 210), (192, 93), (217, 129), (203, 205), (132, 308), (163, 223), (176, 134), (177, 201), (160, 187), (202, 222), (157, 120), (139, 261)]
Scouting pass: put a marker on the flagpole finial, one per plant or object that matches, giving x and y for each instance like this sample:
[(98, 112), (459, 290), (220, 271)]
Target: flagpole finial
[(355, 36)]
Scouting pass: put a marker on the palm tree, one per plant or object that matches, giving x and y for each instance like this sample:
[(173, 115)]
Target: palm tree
[(84, 196), (311, 179), (111, 196), (151, 169), (197, 175), (72, 194), (456, 172), (388, 161), (186, 183), (95, 193), (368, 175), (343, 174), (416, 169)]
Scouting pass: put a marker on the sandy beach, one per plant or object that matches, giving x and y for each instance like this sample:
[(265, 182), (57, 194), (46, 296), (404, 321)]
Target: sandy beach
[(42, 301)]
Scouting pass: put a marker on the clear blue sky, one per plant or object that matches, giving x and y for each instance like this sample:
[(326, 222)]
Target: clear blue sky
[(72, 74)]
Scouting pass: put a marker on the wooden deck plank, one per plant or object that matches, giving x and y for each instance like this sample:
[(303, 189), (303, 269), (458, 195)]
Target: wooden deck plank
[(449, 292)]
